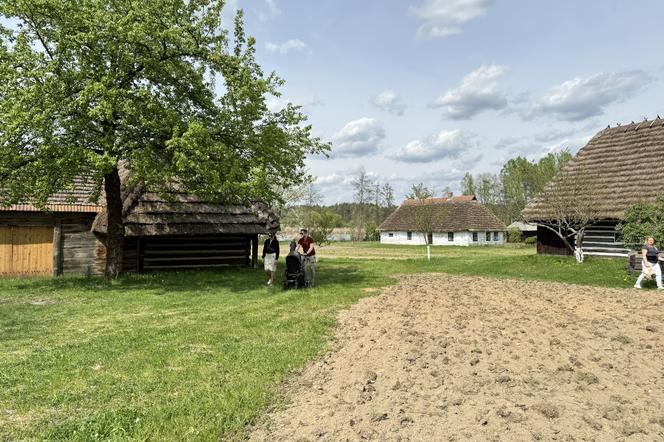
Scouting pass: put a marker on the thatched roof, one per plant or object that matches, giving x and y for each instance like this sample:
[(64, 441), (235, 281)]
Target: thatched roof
[(77, 199), (181, 213), (457, 214), (623, 165)]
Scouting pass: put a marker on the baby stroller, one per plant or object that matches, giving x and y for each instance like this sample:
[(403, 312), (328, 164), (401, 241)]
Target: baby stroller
[(294, 277)]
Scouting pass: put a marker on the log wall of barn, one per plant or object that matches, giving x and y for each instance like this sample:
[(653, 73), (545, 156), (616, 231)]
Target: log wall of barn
[(186, 252), (548, 243), (75, 249)]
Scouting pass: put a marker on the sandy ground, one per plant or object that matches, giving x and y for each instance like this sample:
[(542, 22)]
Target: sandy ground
[(439, 357)]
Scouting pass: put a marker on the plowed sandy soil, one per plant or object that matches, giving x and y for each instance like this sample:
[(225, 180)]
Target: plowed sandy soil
[(439, 357)]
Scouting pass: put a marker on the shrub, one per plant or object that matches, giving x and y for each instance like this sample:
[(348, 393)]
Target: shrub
[(643, 220), (514, 235), (530, 240)]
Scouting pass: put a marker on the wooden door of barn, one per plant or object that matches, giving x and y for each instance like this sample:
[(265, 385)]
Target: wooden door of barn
[(26, 250)]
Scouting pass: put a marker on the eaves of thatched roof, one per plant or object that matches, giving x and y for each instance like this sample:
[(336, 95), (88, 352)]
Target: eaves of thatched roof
[(624, 165)]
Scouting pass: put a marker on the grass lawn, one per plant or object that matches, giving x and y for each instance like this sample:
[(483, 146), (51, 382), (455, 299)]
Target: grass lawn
[(199, 355)]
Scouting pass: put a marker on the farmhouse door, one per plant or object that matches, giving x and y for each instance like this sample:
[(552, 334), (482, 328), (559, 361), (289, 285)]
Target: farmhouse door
[(26, 250)]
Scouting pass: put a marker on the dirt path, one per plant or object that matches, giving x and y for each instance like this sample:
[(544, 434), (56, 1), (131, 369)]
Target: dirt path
[(441, 357)]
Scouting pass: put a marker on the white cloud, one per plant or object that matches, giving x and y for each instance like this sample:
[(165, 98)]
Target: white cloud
[(272, 8), (358, 138), (390, 102), (448, 144), (308, 102), (477, 92), (445, 17), (292, 45), (581, 98)]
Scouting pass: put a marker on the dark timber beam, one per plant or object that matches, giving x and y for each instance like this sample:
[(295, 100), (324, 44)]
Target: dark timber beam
[(57, 248), (254, 251)]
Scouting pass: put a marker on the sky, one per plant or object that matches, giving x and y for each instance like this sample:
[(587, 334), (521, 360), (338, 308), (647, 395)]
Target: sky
[(427, 90)]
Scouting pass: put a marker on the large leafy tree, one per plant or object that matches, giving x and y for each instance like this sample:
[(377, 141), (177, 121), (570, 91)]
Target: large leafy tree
[(157, 86)]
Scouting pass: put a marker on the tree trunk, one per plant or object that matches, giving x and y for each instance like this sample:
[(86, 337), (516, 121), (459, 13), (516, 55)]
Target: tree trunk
[(115, 228), (578, 250)]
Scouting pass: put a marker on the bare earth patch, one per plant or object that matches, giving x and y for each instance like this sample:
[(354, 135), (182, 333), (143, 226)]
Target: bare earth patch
[(439, 357)]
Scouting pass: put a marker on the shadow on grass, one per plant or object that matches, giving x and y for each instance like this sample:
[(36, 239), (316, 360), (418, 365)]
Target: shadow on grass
[(233, 280)]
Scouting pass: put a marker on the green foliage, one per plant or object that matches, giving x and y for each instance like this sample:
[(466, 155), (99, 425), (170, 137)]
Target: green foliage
[(468, 184), (641, 221), (514, 235), (419, 192), (87, 86), (530, 240), (519, 181), (522, 179), (323, 221), (372, 233)]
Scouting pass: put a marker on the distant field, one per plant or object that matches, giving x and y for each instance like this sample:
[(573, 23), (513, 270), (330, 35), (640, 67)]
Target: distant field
[(200, 355), (374, 250)]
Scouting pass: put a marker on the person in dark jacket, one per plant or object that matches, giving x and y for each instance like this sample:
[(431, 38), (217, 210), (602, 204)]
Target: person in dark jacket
[(270, 257), (650, 264)]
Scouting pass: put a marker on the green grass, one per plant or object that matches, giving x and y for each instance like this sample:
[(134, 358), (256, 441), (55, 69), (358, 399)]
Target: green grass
[(198, 355)]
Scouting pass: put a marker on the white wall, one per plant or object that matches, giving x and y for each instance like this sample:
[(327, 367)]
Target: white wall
[(440, 239)]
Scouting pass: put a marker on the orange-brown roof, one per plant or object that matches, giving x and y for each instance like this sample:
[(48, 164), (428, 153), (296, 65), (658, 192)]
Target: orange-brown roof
[(624, 165), (76, 199)]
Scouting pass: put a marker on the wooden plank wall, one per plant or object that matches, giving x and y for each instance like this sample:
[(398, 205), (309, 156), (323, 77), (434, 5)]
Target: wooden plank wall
[(26, 250), (187, 252), (5, 250), (81, 252)]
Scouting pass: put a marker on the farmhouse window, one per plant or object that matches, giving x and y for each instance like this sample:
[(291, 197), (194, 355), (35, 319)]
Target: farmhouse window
[(390, 234), (450, 236), (495, 236), (488, 236), (474, 236), (409, 235)]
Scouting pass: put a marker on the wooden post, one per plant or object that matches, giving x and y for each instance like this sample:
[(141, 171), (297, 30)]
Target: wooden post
[(254, 251), (57, 248)]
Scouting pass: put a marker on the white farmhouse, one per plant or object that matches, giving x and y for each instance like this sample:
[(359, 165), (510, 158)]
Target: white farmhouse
[(455, 221)]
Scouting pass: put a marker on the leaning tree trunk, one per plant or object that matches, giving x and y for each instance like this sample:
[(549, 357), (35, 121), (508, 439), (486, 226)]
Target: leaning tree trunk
[(115, 228)]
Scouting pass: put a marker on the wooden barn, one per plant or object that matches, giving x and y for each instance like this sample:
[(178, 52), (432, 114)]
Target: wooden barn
[(176, 231), (625, 166), (455, 221), (54, 241)]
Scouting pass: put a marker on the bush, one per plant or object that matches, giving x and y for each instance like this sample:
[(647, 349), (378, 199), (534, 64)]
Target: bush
[(514, 235), (372, 233), (530, 240), (641, 221)]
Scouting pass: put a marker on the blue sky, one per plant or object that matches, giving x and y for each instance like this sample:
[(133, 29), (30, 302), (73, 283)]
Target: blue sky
[(425, 90)]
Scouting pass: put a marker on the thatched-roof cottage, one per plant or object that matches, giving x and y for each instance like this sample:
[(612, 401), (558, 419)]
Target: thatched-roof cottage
[(622, 165), (171, 231), (461, 221)]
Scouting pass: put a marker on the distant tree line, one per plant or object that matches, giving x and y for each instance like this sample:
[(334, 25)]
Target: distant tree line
[(508, 192)]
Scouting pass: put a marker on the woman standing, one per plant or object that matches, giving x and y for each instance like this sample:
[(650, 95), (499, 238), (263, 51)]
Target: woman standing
[(650, 263), (270, 257)]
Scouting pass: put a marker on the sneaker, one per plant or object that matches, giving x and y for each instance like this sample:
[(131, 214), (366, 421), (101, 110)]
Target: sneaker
[(269, 282), (636, 286)]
